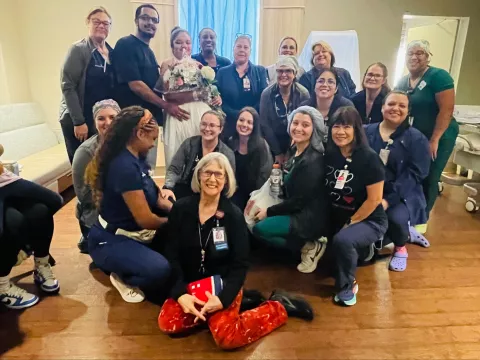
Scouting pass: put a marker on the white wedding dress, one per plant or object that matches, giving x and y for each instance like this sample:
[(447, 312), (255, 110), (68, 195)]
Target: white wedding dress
[(175, 132)]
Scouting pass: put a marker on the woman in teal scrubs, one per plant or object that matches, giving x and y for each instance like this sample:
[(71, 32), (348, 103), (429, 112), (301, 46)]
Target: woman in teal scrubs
[(432, 96)]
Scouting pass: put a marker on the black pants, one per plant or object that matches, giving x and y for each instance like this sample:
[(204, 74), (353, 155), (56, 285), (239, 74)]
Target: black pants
[(71, 142), (27, 211), (398, 217)]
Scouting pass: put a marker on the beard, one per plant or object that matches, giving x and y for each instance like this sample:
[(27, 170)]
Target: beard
[(145, 34)]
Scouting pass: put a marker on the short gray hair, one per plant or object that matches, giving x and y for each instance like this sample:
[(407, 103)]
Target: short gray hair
[(222, 161)]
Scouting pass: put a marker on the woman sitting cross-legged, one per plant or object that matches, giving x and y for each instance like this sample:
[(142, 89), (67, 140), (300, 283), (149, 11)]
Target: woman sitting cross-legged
[(128, 202), (405, 153), (209, 240), (252, 156), (354, 179), (180, 172), (300, 221), (26, 218), (103, 114)]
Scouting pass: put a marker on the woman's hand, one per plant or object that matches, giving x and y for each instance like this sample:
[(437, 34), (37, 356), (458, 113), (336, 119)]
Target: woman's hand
[(385, 204), (187, 302), (260, 215), (166, 193), (81, 132), (212, 305), (433, 149), (164, 204), (216, 101)]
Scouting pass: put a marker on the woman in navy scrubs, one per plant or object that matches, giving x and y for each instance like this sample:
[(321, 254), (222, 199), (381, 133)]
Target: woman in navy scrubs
[(129, 203), (405, 153)]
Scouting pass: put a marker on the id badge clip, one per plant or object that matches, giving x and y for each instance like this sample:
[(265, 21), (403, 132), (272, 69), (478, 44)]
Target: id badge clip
[(384, 153), (246, 84), (341, 180)]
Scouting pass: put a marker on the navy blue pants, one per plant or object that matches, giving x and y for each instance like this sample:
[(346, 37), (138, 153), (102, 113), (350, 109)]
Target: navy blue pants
[(135, 263), (346, 245), (398, 217)]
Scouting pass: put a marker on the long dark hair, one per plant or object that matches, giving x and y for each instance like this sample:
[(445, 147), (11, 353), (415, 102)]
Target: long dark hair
[(385, 87), (348, 115), (116, 138), (256, 144)]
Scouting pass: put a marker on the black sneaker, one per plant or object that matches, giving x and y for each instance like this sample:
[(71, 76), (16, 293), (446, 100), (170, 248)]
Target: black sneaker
[(251, 299), (296, 306), (83, 245)]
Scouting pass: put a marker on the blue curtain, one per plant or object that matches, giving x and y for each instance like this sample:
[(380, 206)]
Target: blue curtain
[(226, 17)]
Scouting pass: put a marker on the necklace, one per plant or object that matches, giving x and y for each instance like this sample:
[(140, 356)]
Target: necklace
[(202, 251)]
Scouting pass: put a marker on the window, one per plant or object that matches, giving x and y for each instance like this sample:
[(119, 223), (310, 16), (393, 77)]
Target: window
[(226, 17)]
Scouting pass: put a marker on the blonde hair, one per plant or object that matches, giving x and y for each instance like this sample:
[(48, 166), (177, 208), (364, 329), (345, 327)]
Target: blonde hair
[(325, 46), (95, 10), (222, 161)]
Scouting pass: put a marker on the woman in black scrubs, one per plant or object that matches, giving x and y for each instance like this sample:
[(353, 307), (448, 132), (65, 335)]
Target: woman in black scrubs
[(207, 55), (86, 77), (253, 159), (368, 102)]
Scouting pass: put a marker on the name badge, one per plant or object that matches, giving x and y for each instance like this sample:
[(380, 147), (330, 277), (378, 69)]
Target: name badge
[(220, 238), (246, 84), (341, 180), (422, 85), (384, 153)]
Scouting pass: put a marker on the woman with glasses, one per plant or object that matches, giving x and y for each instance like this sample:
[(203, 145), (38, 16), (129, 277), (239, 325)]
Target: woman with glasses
[(404, 151), (327, 99), (288, 47), (368, 102), (300, 221), (241, 83), (86, 77), (207, 55), (354, 179), (432, 97), (180, 171), (252, 156), (324, 58), (208, 244), (277, 102)]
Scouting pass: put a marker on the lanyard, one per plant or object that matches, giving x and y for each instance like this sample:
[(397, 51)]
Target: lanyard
[(202, 251), (389, 142)]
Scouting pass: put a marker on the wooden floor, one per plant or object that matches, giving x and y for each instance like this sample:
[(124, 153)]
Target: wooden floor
[(432, 311)]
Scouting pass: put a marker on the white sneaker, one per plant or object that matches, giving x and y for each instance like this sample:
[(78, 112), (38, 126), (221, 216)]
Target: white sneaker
[(17, 298), (312, 252), (129, 294), (43, 277)]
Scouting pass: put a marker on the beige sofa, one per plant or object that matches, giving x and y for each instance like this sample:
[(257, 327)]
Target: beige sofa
[(31, 142)]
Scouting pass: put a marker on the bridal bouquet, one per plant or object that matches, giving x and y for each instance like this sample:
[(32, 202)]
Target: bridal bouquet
[(189, 75)]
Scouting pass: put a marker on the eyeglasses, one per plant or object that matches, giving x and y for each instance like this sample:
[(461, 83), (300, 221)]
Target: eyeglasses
[(248, 36), (216, 174), (329, 82), (97, 23), (373, 76), (284, 71), (147, 18), (208, 126), (417, 54)]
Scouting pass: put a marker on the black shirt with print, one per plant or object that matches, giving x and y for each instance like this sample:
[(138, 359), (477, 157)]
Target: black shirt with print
[(364, 169)]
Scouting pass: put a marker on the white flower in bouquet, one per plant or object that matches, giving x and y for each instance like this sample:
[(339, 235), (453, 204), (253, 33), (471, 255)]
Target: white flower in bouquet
[(208, 73)]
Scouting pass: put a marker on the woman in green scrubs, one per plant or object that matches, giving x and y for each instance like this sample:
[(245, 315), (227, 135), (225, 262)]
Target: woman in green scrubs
[(432, 96)]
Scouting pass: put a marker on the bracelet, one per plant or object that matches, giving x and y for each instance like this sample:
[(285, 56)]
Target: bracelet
[(195, 96)]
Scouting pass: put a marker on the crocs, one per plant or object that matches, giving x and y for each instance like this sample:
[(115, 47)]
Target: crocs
[(417, 238), (398, 262)]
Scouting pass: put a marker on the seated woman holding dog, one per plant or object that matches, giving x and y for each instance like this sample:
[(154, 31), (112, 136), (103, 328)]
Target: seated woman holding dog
[(131, 206), (405, 152), (300, 221), (208, 250), (354, 179), (180, 172), (26, 219)]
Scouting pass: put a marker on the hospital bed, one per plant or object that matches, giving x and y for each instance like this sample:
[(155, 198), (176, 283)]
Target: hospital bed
[(466, 155)]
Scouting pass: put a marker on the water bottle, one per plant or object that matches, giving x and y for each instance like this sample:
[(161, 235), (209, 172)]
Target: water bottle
[(275, 180)]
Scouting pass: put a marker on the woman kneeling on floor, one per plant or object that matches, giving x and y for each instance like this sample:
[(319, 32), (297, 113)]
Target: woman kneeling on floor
[(405, 152), (355, 176), (128, 201), (208, 250), (300, 221)]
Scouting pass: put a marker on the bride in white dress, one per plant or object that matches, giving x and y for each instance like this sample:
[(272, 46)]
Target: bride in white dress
[(196, 100)]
